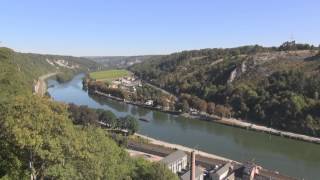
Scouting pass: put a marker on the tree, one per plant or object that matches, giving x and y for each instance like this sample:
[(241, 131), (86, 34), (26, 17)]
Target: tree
[(152, 171), (83, 115), (211, 107), (46, 145), (128, 123), (222, 111), (199, 104), (185, 106), (107, 117)]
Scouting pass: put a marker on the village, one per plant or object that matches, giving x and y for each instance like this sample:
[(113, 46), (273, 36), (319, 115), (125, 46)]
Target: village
[(130, 89), (127, 83)]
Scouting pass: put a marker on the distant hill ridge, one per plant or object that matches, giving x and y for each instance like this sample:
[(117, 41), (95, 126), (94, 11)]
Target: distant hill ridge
[(119, 62)]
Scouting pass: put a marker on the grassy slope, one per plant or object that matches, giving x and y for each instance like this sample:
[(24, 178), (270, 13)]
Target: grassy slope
[(110, 74)]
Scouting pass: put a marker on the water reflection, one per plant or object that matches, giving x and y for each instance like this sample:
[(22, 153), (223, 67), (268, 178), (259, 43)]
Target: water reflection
[(134, 110), (118, 106)]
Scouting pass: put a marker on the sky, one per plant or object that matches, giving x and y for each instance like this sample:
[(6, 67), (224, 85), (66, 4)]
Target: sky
[(139, 27)]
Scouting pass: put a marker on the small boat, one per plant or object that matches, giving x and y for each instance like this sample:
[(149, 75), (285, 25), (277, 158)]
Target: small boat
[(143, 119)]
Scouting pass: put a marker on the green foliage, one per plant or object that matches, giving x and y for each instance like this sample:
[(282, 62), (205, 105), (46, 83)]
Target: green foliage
[(291, 46), (277, 89), (142, 94), (107, 117), (151, 171), (18, 71), (83, 115), (285, 100), (43, 136), (102, 87), (39, 140), (128, 123)]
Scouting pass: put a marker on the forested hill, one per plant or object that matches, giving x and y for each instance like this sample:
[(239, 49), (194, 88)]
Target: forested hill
[(277, 86), (39, 139), (28, 67), (112, 62)]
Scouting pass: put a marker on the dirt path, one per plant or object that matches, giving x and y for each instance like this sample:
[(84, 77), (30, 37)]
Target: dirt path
[(216, 62), (150, 157), (160, 89)]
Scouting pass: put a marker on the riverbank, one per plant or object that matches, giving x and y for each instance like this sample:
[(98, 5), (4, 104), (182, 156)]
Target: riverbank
[(254, 127), (159, 148), (180, 147), (225, 121), (295, 158), (96, 92), (40, 87)]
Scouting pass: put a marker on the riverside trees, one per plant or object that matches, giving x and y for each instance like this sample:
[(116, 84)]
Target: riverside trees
[(83, 115)]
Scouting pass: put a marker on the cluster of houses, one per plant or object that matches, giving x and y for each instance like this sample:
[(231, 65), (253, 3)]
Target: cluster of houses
[(179, 164), (128, 83)]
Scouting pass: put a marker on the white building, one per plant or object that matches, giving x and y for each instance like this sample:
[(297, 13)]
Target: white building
[(222, 172), (149, 102), (198, 174), (176, 161)]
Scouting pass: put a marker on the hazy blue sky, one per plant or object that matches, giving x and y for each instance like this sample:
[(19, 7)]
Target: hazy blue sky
[(131, 27)]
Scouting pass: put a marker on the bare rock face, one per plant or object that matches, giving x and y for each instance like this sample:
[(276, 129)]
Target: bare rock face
[(257, 63), (238, 71), (233, 75)]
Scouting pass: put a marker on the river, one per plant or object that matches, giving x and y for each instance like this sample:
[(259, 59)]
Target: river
[(290, 157)]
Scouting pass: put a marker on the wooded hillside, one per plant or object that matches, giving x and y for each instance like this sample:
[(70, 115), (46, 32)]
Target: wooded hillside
[(277, 86), (39, 140)]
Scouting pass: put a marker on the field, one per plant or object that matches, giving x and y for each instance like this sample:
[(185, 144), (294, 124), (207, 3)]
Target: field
[(109, 74)]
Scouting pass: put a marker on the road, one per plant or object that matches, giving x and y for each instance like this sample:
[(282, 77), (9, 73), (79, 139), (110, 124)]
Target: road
[(40, 87), (160, 89)]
